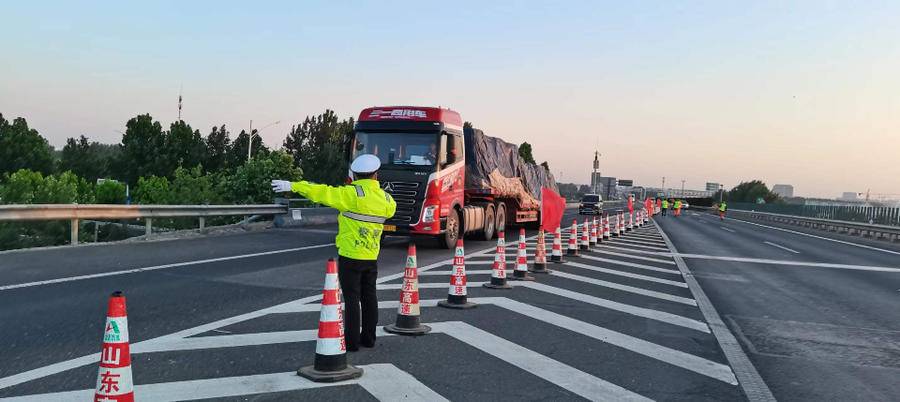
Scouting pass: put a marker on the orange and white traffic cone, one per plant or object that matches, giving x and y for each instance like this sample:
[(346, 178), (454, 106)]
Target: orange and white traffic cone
[(408, 322), (556, 252), (114, 381), (606, 232), (573, 240), (585, 236), (330, 364), (620, 223), (457, 295), (630, 219), (521, 272), (540, 254), (593, 239), (498, 272)]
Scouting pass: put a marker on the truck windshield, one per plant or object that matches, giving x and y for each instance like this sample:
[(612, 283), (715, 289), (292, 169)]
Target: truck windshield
[(591, 198), (398, 149)]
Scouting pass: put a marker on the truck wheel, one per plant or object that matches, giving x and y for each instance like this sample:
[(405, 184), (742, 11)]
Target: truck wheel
[(448, 240), (489, 224), (500, 226)]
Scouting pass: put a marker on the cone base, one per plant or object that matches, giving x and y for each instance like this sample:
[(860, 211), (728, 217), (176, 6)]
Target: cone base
[(572, 253), (556, 259), (585, 248), (420, 330), (348, 373), (539, 269), (463, 306), (497, 286), (524, 277)]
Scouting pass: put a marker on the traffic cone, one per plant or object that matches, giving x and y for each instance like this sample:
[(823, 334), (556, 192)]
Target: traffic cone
[(114, 382), (408, 313), (498, 272), (593, 239), (330, 364), (573, 240), (606, 233), (540, 254), (620, 223), (630, 221), (585, 237), (556, 253), (521, 272), (456, 296)]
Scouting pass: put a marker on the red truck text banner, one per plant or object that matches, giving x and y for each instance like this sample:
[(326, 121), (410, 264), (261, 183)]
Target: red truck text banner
[(411, 113)]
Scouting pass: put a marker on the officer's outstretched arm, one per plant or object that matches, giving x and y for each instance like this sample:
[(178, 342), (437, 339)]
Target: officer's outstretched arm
[(391, 207), (336, 197)]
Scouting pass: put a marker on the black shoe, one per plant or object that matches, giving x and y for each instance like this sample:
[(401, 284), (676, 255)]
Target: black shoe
[(352, 348), (368, 344)]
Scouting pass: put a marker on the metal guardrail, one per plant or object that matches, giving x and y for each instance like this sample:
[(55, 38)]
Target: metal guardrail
[(866, 214), (76, 212), (882, 232)]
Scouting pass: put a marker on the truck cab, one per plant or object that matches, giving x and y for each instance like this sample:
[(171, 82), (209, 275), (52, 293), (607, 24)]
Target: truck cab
[(422, 157), (591, 204)]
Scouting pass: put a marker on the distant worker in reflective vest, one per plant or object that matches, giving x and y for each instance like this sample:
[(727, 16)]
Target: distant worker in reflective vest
[(658, 205), (363, 207), (648, 207), (678, 207), (722, 208), (665, 206), (631, 204)]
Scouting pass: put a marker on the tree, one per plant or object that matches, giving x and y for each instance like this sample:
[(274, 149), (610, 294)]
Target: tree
[(110, 192), (217, 144), (89, 160), (152, 190), (250, 183), (318, 146), (141, 153), (192, 187), (237, 153), (182, 147), (546, 165), (23, 148), (468, 125), (525, 152), (751, 191)]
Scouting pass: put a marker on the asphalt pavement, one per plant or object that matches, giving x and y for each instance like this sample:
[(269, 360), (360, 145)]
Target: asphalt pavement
[(233, 317)]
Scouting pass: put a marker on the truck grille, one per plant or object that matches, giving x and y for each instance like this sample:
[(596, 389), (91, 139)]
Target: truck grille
[(409, 196)]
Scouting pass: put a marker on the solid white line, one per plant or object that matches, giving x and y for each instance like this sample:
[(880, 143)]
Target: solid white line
[(674, 357), (818, 237), (751, 382), (726, 229), (562, 375), (637, 257), (647, 313), (627, 274), (632, 264), (781, 247), (785, 262), (157, 267), (637, 244), (447, 273), (439, 285), (384, 381), (626, 288)]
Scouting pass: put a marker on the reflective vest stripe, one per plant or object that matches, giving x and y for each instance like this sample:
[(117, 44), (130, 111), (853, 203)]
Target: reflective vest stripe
[(363, 218), (359, 191)]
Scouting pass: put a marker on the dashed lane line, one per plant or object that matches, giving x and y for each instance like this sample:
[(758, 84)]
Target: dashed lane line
[(626, 288), (776, 245), (727, 229), (632, 264), (626, 274), (817, 237), (636, 257)]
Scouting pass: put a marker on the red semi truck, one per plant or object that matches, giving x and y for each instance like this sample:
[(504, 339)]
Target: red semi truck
[(447, 181)]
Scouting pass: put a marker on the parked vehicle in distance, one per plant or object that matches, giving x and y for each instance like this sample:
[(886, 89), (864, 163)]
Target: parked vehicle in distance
[(591, 204)]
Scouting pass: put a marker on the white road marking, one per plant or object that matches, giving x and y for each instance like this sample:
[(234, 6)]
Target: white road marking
[(626, 288), (727, 229), (781, 247), (750, 381), (674, 357), (384, 381), (438, 285), (819, 237), (656, 315), (627, 274), (631, 243), (567, 377), (637, 257), (632, 264), (158, 267)]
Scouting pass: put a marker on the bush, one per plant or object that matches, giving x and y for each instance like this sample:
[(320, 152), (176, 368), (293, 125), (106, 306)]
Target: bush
[(250, 183), (152, 190), (110, 192), (191, 186)]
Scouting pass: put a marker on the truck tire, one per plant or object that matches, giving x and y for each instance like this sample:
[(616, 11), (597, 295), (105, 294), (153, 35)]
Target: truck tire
[(451, 234), (500, 226), (488, 231)]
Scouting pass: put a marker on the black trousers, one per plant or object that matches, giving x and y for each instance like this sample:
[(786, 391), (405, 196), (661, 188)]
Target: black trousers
[(357, 279), (664, 211)]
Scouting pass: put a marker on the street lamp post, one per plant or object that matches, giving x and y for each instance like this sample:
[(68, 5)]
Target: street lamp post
[(252, 134), (721, 192), (682, 188)]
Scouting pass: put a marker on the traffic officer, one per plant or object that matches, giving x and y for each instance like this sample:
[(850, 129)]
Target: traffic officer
[(363, 207), (665, 206), (722, 208)]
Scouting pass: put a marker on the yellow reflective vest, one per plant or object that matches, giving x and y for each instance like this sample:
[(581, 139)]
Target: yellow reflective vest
[(666, 204), (364, 207), (722, 207), (677, 204)]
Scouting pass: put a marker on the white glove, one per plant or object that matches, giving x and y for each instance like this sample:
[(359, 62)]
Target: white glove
[(281, 186)]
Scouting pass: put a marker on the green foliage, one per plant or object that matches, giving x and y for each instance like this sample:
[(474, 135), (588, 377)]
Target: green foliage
[(237, 153), (153, 190), (23, 148), (217, 146), (525, 152), (90, 160), (468, 125), (250, 183), (183, 147), (750, 191), (142, 146), (318, 146), (546, 165), (192, 187), (110, 192)]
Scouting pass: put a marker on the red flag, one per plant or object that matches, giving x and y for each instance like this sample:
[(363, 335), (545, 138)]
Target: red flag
[(630, 203), (552, 208)]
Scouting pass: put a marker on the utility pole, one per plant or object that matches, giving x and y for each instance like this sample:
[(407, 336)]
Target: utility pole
[(179, 104), (721, 192), (665, 190), (682, 189), (252, 134)]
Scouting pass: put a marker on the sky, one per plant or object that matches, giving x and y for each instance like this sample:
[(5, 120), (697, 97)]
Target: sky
[(804, 93)]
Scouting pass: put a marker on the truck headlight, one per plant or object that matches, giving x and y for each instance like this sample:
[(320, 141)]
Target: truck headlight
[(428, 215)]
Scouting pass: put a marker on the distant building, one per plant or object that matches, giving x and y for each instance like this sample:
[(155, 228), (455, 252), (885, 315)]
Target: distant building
[(849, 196), (783, 190), (710, 186)]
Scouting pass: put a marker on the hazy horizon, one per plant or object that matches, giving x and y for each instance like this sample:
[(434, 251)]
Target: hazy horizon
[(805, 94)]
